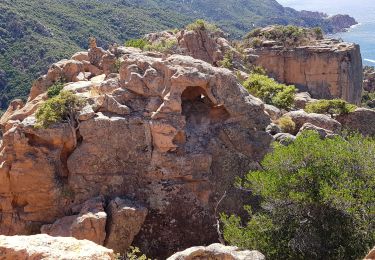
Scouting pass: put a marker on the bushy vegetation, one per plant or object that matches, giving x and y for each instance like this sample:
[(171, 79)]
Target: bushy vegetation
[(317, 201), (289, 35), (164, 45), (134, 253), (286, 124), (55, 89), (368, 99), (202, 25), (137, 43), (331, 107), (270, 91), (227, 61), (60, 108)]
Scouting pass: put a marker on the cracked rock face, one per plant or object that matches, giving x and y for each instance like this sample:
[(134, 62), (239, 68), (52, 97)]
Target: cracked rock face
[(326, 69), (170, 133)]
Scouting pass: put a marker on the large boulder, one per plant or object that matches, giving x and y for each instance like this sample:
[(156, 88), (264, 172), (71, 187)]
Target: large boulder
[(89, 224), (217, 252), (326, 69), (362, 120), (171, 133), (125, 221), (46, 247), (300, 117)]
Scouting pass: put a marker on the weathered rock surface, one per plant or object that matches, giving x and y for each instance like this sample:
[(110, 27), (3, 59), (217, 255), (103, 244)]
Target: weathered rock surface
[(200, 44), (284, 138), (273, 111), (217, 252), (171, 133), (325, 69), (300, 117), (302, 99), (324, 133), (125, 221), (362, 120), (371, 255), (45, 247), (89, 224)]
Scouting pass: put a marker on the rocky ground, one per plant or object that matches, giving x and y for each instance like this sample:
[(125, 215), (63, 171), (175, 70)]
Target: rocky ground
[(161, 138)]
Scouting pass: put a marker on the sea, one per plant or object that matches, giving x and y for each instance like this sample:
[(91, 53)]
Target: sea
[(362, 10)]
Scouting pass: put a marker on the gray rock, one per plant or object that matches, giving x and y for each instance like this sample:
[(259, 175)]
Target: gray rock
[(300, 117), (362, 120), (217, 252), (284, 138), (273, 129), (273, 111)]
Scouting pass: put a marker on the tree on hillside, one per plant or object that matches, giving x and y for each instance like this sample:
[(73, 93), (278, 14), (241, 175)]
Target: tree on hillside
[(317, 201)]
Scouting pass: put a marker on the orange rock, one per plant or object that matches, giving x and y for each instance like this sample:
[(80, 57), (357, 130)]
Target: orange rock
[(170, 133), (46, 247), (326, 69)]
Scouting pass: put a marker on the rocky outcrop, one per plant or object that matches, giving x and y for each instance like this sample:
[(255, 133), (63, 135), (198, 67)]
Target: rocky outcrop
[(125, 221), (217, 252), (203, 44), (170, 133), (89, 224), (362, 120), (300, 118), (321, 131), (46, 247), (326, 69), (369, 79)]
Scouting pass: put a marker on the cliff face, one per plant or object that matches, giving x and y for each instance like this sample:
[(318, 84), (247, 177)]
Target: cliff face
[(327, 68), (169, 133)]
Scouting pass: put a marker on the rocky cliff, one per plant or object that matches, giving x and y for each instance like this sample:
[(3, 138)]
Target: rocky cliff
[(161, 136), (325, 68)]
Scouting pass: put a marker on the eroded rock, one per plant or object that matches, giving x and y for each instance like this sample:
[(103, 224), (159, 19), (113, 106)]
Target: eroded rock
[(326, 69), (362, 120), (217, 252), (300, 117), (47, 247), (89, 224), (125, 221), (172, 133)]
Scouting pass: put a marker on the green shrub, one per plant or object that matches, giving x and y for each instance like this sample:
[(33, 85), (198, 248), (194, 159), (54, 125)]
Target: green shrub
[(368, 99), (319, 33), (258, 70), (317, 201), (227, 61), (55, 89), (256, 43), (289, 36), (286, 124), (137, 43), (332, 107), (270, 91), (202, 25), (164, 46), (134, 253), (62, 107)]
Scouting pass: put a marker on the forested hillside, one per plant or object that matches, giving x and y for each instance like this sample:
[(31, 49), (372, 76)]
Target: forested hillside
[(34, 34)]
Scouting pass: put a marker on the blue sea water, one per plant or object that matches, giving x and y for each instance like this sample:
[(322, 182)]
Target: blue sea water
[(362, 10)]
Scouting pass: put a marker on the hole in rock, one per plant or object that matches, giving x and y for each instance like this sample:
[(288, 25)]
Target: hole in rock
[(199, 109), (202, 117)]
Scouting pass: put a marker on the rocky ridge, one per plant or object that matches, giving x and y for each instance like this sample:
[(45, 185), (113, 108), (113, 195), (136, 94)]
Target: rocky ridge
[(160, 140), (324, 68), (170, 133)]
